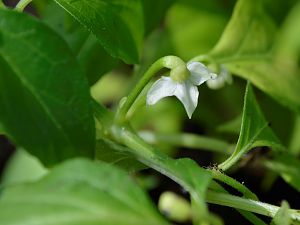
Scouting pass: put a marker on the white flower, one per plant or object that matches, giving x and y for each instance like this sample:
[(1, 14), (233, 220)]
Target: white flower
[(186, 91), (223, 78)]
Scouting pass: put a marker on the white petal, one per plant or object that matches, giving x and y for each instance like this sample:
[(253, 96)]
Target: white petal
[(163, 87), (188, 94), (223, 78), (199, 73)]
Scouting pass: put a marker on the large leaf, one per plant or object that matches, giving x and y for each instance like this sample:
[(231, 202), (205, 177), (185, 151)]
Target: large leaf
[(79, 192), (44, 97), (246, 49), (288, 167), (118, 24), (255, 130)]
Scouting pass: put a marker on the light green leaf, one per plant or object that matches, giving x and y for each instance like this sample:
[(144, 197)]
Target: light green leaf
[(246, 49), (22, 167), (288, 167), (44, 98), (282, 217), (79, 192), (118, 24), (255, 130)]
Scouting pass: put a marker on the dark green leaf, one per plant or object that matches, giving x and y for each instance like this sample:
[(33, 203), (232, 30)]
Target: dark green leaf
[(159, 7), (118, 24), (79, 192), (255, 130), (246, 48), (94, 60), (288, 167), (44, 98)]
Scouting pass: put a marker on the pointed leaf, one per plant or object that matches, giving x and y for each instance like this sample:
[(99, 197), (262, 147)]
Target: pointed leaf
[(44, 98), (118, 24), (255, 130), (79, 192), (246, 49)]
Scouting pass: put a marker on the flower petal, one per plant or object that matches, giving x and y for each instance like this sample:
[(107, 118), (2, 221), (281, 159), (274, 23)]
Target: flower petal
[(199, 73), (188, 94), (161, 88), (223, 78)]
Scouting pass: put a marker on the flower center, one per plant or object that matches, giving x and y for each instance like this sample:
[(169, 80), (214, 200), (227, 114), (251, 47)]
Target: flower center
[(180, 73)]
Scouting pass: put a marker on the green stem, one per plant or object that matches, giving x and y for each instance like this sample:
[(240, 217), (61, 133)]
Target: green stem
[(247, 204), (188, 140), (22, 4), (233, 183), (170, 62)]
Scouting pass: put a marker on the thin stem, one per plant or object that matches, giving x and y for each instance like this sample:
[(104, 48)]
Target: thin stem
[(22, 5), (188, 140), (169, 62), (247, 204), (233, 183)]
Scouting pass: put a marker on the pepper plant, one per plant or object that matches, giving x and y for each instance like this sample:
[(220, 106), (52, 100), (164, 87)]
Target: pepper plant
[(86, 92)]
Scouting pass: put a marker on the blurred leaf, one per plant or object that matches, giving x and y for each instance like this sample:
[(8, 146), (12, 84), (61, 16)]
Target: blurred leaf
[(44, 97), (115, 154), (188, 140), (255, 130), (94, 60), (233, 126), (154, 6), (282, 216), (22, 167), (79, 192), (246, 49), (288, 167), (288, 46), (192, 29), (118, 24)]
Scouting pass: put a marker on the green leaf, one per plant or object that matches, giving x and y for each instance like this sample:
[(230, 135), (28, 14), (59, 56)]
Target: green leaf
[(288, 167), (44, 98), (94, 60), (255, 130), (22, 167), (246, 49), (79, 192), (282, 216), (118, 24)]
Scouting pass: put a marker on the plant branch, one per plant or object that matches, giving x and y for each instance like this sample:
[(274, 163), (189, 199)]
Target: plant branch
[(189, 140), (233, 183), (22, 5), (247, 204)]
